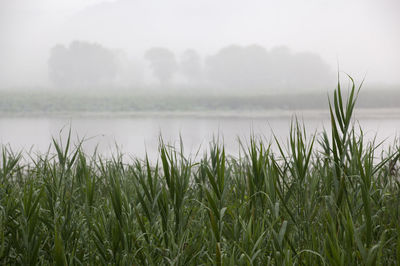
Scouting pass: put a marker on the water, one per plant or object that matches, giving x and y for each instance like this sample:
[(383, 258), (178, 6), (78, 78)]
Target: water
[(136, 135)]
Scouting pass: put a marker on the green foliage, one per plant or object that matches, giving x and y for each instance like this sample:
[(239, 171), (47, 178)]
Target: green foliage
[(323, 199)]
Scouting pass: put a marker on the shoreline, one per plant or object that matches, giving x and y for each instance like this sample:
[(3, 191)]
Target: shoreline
[(364, 113)]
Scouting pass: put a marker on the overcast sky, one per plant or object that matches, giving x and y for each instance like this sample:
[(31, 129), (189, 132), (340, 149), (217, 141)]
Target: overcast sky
[(363, 36)]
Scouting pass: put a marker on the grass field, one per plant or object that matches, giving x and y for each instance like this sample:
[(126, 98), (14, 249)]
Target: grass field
[(329, 199)]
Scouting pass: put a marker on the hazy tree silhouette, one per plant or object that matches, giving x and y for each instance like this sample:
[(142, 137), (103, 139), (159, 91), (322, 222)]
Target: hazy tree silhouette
[(130, 71), (163, 63), (298, 70), (254, 67), (310, 70), (191, 66), (82, 64), (237, 66)]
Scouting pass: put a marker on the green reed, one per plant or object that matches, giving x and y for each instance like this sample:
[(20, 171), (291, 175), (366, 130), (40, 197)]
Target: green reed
[(322, 199)]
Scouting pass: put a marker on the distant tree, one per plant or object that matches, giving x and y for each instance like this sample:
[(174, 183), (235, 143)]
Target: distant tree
[(253, 67), (130, 70), (280, 67), (310, 70), (303, 70), (82, 64), (60, 67), (163, 63), (236, 66), (191, 67)]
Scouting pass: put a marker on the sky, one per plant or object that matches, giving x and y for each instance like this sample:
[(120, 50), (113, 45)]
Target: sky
[(361, 36)]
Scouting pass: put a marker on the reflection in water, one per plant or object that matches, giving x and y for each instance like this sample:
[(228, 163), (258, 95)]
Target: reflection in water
[(138, 135)]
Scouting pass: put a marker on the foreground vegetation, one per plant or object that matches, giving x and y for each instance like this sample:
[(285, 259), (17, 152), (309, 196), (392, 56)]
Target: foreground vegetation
[(328, 199)]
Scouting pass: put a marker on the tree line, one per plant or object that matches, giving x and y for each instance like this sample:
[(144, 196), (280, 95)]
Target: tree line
[(83, 64)]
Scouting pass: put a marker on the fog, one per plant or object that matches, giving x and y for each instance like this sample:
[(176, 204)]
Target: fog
[(187, 132), (256, 46)]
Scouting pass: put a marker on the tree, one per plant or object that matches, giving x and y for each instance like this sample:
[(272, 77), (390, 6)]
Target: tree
[(163, 63), (253, 67), (239, 67), (191, 67), (82, 64), (303, 70)]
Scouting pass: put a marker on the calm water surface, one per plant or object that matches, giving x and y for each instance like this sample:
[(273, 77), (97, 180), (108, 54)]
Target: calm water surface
[(134, 136)]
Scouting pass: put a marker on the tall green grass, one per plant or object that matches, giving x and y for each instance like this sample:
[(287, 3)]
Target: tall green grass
[(322, 199)]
